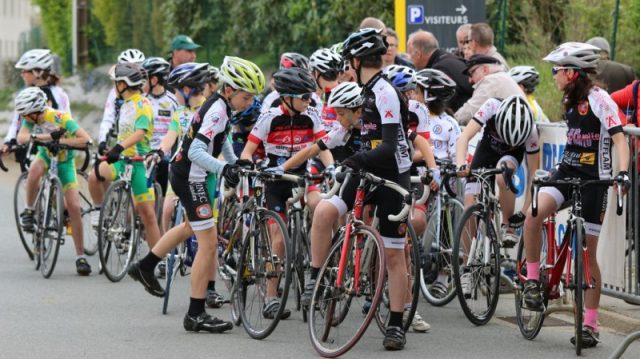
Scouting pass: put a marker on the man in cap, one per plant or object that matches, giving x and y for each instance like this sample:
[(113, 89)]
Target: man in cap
[(612, 75), (183, 50)]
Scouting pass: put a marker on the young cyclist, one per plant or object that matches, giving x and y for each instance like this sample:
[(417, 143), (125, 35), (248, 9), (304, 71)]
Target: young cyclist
[(528, 79), (52, 125), (385, 152), (508, 133), (203, 143), (109, 124), (285, 130), (135, 129), (325, 67), (594, 124), (164, 104)]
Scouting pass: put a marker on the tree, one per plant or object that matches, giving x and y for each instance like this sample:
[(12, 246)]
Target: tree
[(56, 21)]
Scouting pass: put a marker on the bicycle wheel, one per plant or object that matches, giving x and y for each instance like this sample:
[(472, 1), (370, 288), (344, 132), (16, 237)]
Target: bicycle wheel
[(579, 282), (19, 205), (383, 310), (116, 234), (259, 268), (482, 266), (51, 229), (86, 209), (437, 242), (169, 276), (336, 321), (529, 321), (228, 257), (158, 202), (298, 263)]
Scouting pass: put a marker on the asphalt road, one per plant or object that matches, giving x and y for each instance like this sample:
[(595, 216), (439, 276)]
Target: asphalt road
[(68, 316)]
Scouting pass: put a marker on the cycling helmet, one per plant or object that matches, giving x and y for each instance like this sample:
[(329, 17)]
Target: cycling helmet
[(401, 77), (337, 48), (190, 74), (527, 76), (134, 56), (364, 42), (325, 60), (436, 85), (249, 116), (30, 100), (576, 54), (242, 75), (293, 59), (293, 81), (213, 73), (346, 95), (156, 66), (132, 74), (514, 121), (40, 59)]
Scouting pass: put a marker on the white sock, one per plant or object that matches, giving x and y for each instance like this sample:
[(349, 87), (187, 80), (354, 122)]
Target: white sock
[(442, 278)]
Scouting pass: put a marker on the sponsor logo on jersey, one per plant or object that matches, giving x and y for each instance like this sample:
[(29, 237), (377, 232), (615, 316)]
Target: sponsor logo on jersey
[(164, 113), (588, 158), (437, 129), (165, 104), (611, 121), (583, 108), (203, 211), (388, 114)]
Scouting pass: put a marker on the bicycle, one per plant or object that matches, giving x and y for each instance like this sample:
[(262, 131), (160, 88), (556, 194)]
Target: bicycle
[(120, 228), (258, 264), (556, 273), (354, 270), (444, 211), (478, 231)]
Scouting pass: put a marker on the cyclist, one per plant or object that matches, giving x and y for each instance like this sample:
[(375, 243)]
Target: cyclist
[(242, 123), (285, 130), (528, 78), (594, 124), (164, 105), (385, 153), (109, 124), (508, 132), (205, 140), (325, 67), (52, 125)]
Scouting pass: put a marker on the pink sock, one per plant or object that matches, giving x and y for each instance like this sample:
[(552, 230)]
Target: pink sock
[(591, 318), (533, 270)]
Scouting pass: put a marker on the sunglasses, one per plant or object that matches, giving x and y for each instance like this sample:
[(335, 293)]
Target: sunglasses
[(556, 69), (303, 97)]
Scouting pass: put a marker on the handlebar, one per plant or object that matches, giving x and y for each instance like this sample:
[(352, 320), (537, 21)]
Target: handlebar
[(425, 180), (12, 148), (98, 159)]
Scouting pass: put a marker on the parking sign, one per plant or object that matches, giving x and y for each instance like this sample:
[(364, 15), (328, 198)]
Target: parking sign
[(416, 14)]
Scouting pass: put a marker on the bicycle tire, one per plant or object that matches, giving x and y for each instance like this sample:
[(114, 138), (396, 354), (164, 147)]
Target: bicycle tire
[(530, 322), (169, 277), (51, 230), (579, 283), (90, 237), (117, 232), (253, 280), (485, 277), (159, 202), (19, 205), (382, 312), (298, 267), (442, 256), (326, 296)]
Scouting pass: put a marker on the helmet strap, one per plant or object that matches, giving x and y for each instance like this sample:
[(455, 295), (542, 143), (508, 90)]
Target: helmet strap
[(185, 96), (290, 105)]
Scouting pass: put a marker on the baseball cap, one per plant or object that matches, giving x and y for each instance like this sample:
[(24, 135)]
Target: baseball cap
[(183, 42), (601, 43), (479, 60)]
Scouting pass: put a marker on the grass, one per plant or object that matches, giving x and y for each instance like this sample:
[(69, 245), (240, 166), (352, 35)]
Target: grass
[(5, 98), (547, 95)]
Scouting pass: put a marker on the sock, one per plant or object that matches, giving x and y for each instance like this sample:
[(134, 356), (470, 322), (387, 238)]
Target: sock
[(395, 319), (314, 273), (442, 278), (29, 208), (533, 271), (591, 318), (80, 256), (196, 307), (212, 285), (149, 262)]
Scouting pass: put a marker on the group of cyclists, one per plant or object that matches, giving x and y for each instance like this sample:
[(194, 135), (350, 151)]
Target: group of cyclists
[(337, 108)]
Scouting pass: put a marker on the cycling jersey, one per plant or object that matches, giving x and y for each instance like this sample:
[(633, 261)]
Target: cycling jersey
[(590, 125), (342, 142), (273, 100), (443, 135), (136, 114), (328, 114), (284, 135), (538, 113), (163, 108), (53, 121), (383, 110), (111, 112), (61, 98)]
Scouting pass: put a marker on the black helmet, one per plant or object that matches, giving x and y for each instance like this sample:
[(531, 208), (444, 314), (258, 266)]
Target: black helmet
[(293, 81), (294, 59), (364, 42), (156, 66), (436, 85), (190, 74)]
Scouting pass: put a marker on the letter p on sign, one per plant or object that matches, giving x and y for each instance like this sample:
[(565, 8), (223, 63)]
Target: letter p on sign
[(416, 14)]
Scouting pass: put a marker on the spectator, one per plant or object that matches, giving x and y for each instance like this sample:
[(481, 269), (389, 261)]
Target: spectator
[(611, 75), (183, 50), (425, 54), (462, 36), (392, 56), (628, 103), (489, 79), (481, 36)]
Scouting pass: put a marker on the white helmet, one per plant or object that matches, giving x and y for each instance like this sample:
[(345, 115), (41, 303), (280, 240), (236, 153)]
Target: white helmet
[(30, 100), (526, 76), (578, 54), (325, 60), (134, 56), (35, 59), (514, 121), (346, 95), (401, 77)]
